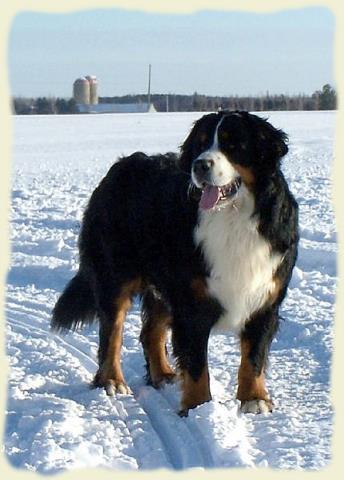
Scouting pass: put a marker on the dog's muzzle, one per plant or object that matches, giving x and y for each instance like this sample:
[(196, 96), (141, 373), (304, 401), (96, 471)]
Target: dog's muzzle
[(213, 195)]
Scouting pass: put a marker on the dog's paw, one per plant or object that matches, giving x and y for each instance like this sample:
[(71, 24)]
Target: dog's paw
[(256, 406), (111, 384), (112, 387)]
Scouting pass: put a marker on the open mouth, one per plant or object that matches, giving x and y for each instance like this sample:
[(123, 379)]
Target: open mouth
[(213, 195)]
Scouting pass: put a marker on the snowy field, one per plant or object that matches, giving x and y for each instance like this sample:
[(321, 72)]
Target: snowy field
[(54, 421)]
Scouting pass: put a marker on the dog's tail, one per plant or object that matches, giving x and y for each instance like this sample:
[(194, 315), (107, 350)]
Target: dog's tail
[(76, 306)]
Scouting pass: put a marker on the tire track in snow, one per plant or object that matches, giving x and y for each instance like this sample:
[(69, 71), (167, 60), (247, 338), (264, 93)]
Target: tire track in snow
[(119, 406), (178, 456), (196, 433), (184, 443), (79, 354), (184, 440), (114, 403), (180, 444), (185, 446)]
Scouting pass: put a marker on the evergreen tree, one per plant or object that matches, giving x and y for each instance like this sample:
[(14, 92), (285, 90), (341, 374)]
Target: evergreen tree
[(44, 106), (327, 98)]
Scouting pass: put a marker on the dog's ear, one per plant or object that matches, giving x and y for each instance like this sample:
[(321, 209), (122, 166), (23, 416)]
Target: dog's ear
[(271, 143), (191, 148), (186, 158)]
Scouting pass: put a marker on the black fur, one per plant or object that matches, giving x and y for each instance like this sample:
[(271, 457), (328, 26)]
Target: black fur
[(259, 332), (77, 304), (139, 223)]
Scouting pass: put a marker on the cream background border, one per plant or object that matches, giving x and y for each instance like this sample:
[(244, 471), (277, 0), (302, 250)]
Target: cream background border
[(8, 11)]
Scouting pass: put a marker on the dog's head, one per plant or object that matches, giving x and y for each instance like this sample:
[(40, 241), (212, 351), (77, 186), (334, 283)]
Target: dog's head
[(227, 148)]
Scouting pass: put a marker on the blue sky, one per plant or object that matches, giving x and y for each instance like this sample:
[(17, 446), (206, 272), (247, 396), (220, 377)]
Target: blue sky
[(215, 53)]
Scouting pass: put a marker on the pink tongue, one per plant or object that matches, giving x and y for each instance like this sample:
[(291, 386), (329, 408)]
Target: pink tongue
[(210, 197)]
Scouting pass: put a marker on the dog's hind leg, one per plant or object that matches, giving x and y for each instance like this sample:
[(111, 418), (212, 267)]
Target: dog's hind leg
[(156, 320), (112, 316)]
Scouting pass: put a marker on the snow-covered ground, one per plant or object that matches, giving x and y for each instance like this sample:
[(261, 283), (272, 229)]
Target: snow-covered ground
[(54, 421)]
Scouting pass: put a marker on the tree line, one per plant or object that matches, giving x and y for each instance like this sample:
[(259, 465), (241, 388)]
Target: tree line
[(324, 99), (43, 106)]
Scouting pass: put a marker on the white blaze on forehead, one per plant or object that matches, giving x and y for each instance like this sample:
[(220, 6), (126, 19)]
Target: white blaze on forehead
[(215, 145)]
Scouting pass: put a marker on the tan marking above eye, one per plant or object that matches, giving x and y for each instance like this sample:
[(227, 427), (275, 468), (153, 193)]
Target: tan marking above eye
[(203, 137), (224, 135)]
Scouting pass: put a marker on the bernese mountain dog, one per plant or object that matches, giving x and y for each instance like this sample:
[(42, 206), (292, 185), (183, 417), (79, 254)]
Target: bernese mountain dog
[(207, 238)]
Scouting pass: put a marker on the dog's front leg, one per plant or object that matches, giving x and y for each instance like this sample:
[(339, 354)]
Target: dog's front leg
[(255, 343), (190, 335), (190, 347)]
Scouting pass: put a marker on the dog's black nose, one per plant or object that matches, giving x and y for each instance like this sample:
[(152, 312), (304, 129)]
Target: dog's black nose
[(202, 165)]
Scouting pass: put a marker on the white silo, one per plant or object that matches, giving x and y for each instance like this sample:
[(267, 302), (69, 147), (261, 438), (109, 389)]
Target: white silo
[(92, 79), (81, 91)]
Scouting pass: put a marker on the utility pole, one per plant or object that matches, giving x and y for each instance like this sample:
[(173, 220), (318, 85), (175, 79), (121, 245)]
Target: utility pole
[(149, 85)]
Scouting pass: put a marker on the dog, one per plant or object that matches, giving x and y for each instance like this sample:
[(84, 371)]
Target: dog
[(208, 239)]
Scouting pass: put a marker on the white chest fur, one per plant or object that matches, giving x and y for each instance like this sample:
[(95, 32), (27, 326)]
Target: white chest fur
[(239, 259)]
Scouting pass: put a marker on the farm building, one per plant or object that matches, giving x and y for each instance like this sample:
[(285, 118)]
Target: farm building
[(85, 94), (117, 108)]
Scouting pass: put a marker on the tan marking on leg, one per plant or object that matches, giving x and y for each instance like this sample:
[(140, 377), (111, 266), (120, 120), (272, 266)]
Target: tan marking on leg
[(199, 288), (195, 392), (155, 344), (250, 386), (153, 337), (110, 373), (274, 293)]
